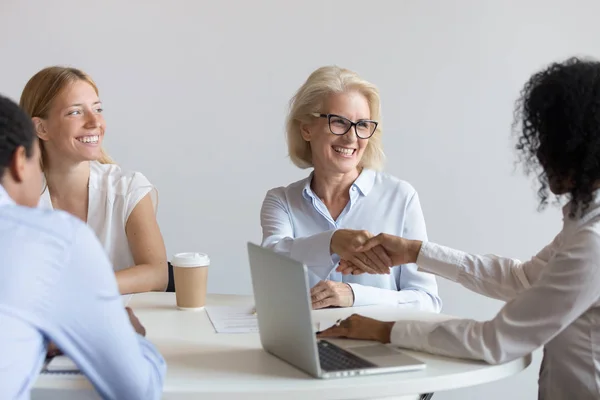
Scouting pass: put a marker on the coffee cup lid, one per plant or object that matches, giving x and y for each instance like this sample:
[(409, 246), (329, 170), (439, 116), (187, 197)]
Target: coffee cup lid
[(190, 260)]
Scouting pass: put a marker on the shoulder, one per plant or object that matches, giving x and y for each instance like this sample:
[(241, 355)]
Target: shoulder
[(41, 225), (291, 191), (115, 179), (388, 182)]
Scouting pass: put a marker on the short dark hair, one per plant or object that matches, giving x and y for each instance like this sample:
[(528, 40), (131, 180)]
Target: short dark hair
[(16, 129), (558, 120)]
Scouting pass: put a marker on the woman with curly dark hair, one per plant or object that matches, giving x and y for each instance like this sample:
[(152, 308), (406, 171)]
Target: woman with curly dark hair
[(553, 300)]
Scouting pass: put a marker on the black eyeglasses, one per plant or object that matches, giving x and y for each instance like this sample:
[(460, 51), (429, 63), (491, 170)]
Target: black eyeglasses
[(338, 125)]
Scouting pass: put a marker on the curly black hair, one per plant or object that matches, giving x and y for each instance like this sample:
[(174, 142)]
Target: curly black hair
[(557, 122), (16, 129)]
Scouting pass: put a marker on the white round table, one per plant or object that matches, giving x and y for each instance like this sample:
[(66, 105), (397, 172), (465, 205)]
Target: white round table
[(205, 365)]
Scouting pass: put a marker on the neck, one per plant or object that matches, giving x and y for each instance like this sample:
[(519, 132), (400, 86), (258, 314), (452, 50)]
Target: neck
[(66, 177), (10, 187), (332, 186)]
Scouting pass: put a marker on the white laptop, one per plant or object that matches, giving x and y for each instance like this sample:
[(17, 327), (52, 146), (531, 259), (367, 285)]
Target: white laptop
[(283, 307)]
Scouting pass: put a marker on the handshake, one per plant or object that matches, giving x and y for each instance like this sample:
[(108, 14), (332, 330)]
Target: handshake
[(362, 253)]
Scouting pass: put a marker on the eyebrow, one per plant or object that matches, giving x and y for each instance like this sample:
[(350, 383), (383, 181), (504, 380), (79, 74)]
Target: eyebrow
[(358, 120), (81, 104)]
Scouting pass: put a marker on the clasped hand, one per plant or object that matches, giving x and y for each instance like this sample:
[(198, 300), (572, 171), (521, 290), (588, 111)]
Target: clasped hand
[(361, 252)]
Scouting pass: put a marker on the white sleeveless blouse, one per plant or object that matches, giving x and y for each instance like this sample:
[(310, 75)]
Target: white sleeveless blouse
[(113, 194)]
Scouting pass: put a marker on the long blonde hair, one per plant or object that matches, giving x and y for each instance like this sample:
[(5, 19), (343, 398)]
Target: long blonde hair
[(310, 98), (41, 90)]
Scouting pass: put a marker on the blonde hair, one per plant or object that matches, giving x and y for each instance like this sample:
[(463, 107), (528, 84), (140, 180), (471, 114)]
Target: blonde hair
[(41, 90), (310, 98)]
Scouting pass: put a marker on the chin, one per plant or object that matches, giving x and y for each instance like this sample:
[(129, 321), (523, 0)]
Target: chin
[(344, 167), (92, 156)]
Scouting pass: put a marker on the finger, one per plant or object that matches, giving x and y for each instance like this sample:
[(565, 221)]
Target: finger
[(374, 260), (320, 296), (344, 267), (343, 264), (334, 331), (383, 256), (346, 271), (358, 263), (327, 302), (359, 239), (319, 287), (375, 241), (353, 269)]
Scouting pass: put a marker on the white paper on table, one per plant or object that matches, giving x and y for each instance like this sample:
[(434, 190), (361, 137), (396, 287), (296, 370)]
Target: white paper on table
[(230, 319), (126, 298), (325, 323), (62, 364)]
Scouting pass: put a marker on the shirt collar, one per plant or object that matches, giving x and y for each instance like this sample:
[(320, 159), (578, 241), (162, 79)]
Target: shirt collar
[(306, 190), (5, 199), (591, 211), (364, 183)]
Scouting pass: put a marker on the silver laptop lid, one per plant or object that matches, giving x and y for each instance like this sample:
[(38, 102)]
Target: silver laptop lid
[(282, 296)]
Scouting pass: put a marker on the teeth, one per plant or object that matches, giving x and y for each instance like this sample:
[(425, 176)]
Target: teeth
[(89, 139), (344, 151)]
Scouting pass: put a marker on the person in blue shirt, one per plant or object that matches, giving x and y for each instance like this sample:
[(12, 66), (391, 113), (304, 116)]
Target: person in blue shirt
[(56, 284), (334, 127)]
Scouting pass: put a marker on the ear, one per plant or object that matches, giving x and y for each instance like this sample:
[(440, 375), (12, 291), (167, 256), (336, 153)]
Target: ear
[(305, 131), (18, 164), (40, 128)]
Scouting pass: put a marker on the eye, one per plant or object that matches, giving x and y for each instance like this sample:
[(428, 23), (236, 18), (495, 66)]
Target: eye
[(338, 121), (99, 110), (74, 112)]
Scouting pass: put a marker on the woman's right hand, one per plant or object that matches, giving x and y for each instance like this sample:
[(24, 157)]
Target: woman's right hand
[(52, 350), (400, 250), (349, 245), (135, 322)]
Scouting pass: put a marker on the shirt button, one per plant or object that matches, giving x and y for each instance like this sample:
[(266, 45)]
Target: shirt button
[(353, 188)]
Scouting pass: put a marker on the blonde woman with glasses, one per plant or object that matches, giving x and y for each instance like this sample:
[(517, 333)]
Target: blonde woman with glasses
[(334, 127)]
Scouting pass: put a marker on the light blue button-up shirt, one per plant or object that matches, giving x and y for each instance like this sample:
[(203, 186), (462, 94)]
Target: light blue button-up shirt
[(56, 284), (295, 222)]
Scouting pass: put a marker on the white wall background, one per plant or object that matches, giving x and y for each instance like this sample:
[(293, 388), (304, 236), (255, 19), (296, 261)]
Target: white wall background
[(195, 94)]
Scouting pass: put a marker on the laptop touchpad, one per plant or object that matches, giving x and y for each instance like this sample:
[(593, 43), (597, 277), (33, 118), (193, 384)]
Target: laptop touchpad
[(386, 356), (376, 350)]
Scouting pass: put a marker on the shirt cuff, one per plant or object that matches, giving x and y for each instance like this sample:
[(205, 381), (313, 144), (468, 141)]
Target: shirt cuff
[(315, 253), (369, 295), (412, 334), (440, 260)]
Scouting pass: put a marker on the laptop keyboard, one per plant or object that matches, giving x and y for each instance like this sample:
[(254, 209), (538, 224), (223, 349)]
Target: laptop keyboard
[(334, 358)]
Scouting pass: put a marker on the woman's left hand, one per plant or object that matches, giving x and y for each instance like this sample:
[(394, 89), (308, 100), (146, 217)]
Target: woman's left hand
[(331, 294), (359, 327)]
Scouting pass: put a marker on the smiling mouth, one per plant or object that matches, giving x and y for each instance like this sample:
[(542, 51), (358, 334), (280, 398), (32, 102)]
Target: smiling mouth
[(91, 139), (344, 150)]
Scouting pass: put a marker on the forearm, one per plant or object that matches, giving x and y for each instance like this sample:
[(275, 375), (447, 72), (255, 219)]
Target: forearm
[(313, 251), (95, 330), (497, 277), (412, 298), (143, 278)]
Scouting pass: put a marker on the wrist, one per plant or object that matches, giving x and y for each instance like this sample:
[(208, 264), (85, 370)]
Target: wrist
[(414, 248), (384, 332), (351, 297), (332, 243)]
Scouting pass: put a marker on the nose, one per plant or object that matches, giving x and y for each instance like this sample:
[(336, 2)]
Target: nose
[(92, 120), (351, 136)]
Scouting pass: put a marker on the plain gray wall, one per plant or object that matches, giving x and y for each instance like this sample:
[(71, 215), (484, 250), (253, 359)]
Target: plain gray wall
[(196, 92)]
